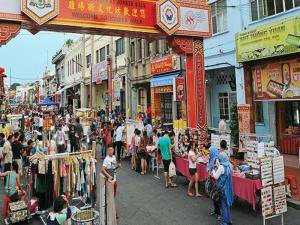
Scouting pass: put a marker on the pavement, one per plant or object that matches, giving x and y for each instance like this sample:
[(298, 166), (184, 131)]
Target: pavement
[(143, 200)]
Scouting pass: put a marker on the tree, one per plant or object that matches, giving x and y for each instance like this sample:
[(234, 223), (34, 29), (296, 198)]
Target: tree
[(69, 42), (14, 86), (234, 125)]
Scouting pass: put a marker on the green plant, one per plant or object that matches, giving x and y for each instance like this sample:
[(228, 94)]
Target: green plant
[(234, 125), (69, 42)]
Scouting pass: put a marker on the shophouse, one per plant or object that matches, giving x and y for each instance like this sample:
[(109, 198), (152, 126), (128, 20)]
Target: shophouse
[(268, 49), (224, 77)]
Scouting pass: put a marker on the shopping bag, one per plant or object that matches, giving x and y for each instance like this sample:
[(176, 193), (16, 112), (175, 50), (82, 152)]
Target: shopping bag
[(172, 170)]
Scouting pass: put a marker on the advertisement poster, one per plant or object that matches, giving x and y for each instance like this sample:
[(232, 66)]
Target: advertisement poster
[(99, 72), (275, 39), (244, 124), (165, 64), (179, 90), (277, 81)]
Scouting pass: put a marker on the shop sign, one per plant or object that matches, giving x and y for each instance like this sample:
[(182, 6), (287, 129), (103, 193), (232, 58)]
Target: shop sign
[(195, 21), (120, 15), (277, 81), (244, 122), (178, 89), (40, 11), (116, 93), (168, 16), (166, 64), (99, 72), (163, 89), (275, 39)]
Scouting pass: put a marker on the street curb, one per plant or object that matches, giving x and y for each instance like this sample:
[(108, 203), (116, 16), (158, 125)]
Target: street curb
[(294, 204)]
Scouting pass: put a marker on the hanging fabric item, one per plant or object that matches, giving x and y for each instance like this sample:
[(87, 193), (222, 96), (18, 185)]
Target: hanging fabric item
[(49, 186)]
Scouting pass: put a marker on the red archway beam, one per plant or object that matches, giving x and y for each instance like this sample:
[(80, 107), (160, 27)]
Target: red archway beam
[(8, 31)]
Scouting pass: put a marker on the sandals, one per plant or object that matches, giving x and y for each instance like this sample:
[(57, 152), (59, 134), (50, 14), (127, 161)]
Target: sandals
[(190, 194)]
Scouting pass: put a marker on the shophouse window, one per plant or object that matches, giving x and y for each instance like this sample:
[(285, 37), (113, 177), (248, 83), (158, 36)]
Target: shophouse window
[(120, 46), (219, 16), (80, 61), (147, 49), (292, 114), (224, 105), (73, 64), (107, 50), (132, 51), (139, 49), (265, 8), (88, 60), (97, 56), (259, 112), (142, 98), (102, 54), (156, 47)]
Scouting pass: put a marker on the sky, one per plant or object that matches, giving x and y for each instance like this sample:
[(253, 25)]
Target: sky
[(27, 55)]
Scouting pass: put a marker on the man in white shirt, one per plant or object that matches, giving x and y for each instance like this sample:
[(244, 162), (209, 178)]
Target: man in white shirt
[(41, 123), (109, 167), (222, 124), (7, 154), (61, 140), (119, 137)]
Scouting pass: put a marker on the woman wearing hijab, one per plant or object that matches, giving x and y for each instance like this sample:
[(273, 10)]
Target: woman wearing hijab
[(213, 156), (224, 181)]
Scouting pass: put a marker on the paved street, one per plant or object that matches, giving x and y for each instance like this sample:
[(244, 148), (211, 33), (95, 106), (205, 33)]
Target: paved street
[(144, 200)]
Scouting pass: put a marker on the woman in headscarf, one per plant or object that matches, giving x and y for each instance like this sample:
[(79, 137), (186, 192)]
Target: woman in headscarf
[(213, 156), (224, 181)]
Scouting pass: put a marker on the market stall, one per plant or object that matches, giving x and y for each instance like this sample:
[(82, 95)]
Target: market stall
[(85, 115)]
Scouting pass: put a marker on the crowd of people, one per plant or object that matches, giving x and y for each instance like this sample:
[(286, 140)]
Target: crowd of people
[(108, 130)]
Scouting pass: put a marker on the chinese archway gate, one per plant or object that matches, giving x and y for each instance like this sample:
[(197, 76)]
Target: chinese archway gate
[(183, 23)]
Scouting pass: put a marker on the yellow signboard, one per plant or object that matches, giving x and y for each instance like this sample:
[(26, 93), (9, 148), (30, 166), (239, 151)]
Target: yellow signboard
[(280, 38), (277, 81)]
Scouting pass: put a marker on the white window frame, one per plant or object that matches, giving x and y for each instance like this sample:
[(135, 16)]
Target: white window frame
[(220, 13), (222, 107), (264, 10)]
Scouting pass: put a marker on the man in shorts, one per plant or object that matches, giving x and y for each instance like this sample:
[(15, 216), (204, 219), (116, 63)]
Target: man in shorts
[(165, 145)]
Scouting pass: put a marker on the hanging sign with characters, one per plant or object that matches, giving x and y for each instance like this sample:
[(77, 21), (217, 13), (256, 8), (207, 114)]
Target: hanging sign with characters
[(277, 81), (179, 90)]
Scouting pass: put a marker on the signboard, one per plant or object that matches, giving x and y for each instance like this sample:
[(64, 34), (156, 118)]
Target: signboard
[(280, 38), (168, 16), (117, 92), (163, 89), (165, 64), (131, 15), (277, 81), (40, 11), (195, 21), (99, 72), (244, 124), (179, 88)]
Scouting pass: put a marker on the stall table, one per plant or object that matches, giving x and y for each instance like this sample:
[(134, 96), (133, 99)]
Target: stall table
[(242, 187)]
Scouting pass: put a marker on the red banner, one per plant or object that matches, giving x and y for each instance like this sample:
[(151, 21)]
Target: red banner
[(200, 84), (244, 123), (179, 89), (165, 64), (129, 13)]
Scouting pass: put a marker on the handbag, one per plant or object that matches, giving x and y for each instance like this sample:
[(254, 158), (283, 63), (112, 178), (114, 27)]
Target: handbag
[(172, 170), (216, 193)]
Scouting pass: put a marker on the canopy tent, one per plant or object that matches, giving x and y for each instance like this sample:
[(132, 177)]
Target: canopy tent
[(47, 102)]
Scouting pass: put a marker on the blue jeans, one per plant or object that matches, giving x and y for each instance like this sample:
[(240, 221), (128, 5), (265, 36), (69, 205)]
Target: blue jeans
[(225, 212)]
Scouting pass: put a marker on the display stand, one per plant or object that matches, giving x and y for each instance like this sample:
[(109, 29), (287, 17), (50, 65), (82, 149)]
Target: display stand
[(217, 135)]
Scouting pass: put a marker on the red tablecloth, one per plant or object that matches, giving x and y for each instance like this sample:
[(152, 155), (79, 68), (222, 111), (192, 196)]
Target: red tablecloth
[(242, 187), (182, 166)]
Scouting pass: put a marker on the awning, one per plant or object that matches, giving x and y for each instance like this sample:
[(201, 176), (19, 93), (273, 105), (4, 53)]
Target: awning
[(67, 87), (164, 80)]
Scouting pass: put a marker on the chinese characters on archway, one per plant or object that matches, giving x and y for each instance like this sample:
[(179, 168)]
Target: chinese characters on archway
[(136, 12)]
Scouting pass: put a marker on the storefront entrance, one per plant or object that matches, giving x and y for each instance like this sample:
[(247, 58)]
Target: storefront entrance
[(166, 108)]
